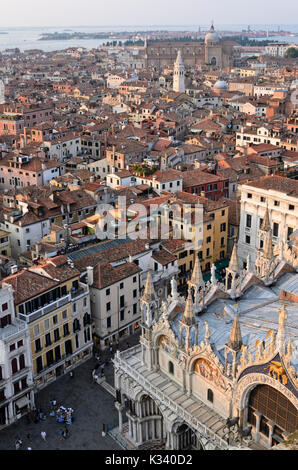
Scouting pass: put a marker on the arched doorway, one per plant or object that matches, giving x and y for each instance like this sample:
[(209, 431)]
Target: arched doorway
[(185, 438), (151, 424), (213, 61), (271, 414)]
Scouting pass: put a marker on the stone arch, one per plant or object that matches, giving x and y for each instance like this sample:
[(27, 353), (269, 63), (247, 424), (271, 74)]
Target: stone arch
[(184, 437), (164, 334), (151, 421), (245, 386)]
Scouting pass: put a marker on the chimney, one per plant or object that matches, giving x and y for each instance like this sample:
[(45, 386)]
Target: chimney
[(90, 275), (13, 269)]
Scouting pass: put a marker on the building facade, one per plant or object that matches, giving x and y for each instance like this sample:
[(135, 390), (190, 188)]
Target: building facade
[(205, 375), (16, 378), (213, 51)]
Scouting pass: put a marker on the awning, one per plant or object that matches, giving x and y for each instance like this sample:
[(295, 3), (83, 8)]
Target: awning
[(21, 402), (222, 264)]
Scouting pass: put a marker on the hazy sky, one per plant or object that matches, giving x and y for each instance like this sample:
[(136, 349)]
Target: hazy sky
[(146, 12)]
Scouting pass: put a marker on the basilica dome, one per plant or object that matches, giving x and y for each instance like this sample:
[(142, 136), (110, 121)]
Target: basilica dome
[(220, 85), (212, 36)]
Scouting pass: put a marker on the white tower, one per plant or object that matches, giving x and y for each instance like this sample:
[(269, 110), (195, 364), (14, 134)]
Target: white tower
[(2, 96), (178, 81)]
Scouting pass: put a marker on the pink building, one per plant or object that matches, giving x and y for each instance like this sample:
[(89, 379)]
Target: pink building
[(12, 124), (22, 170)]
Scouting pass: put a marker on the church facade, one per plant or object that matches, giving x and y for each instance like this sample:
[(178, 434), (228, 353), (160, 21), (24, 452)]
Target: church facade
[(217, 370), (213, 51)]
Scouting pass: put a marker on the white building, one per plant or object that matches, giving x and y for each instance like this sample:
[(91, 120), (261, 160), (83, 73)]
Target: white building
[(274, 198), (278, 49), (179, 75), (25, 230), (2, 90), (114, 293), (63, 148), (257, 135), (16, 382)]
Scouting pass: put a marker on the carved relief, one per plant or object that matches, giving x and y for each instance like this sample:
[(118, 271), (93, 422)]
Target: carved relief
[(204, 368)]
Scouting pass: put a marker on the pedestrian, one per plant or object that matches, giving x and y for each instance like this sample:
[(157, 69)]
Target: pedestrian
[(95, 377), (18, 443), (61, 433), (102, 370), (29, 436), (43, 435), (66, 432), (71, 374)]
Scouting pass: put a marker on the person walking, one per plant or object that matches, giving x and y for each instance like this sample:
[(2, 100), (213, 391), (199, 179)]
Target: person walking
[(43, 435)]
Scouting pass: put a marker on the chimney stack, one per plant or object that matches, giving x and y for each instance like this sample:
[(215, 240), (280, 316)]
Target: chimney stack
[(90, 275)]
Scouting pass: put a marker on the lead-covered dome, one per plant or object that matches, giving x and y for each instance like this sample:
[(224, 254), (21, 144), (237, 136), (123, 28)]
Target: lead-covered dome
[(220, 85), (212, 36)]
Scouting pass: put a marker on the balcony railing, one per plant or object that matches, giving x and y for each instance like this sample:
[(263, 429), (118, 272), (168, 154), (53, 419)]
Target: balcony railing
[(45, 310), (156, 393)]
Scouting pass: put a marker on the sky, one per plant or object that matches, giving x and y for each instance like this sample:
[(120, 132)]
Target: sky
[(147, 12)]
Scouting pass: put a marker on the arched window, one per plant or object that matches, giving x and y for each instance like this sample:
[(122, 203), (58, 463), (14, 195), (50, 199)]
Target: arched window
[(14, 366), (171, 367), (210, 395), (213, 61), (22, 361), (273, 406)]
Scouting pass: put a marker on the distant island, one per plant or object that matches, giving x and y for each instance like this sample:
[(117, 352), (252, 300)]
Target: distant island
[(67, 36)]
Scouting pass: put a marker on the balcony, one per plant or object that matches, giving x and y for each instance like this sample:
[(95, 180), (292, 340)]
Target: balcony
[(80, 292), (30, 317), (13, 329)]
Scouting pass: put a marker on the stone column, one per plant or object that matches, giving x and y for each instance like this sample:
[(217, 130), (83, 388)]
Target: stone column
[(189, 393), (143, 354), (120, 407), (135, 431), (9, 411), (168, 441), (139, 432), (156, 357), (258, 416), (183, 381), (271, 425), (130, 431)]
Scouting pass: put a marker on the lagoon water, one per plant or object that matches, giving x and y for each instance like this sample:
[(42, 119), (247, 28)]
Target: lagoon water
[(28, 37)]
